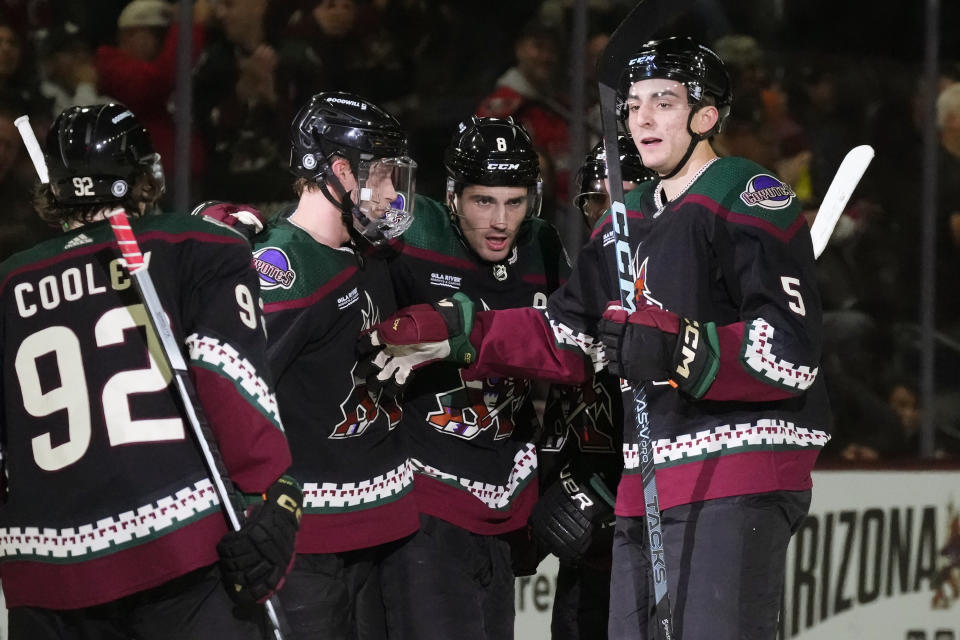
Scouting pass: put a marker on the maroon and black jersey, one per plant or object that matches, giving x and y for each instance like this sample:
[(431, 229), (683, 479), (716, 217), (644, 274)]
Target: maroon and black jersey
[(471, 443), (733, 250), (107, 493), (357, 481)]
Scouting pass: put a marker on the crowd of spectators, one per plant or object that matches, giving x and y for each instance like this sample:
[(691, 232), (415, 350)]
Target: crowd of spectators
[(797, 110)]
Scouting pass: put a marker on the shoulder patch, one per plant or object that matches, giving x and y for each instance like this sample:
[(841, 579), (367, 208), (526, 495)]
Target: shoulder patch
[(768, 192), (274, 268)]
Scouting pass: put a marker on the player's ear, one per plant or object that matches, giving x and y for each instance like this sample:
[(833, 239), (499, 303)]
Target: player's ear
[(705, 118), (341, 169)]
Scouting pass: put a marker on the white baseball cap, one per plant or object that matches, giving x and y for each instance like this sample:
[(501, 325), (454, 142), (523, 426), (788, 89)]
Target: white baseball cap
[(145, 13)]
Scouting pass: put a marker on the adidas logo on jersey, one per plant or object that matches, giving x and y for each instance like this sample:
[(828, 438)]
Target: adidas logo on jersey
[(79, 241)]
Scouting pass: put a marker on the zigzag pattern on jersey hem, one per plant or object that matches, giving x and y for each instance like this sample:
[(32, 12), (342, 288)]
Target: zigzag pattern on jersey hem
[(332, 498), (495, 497), (566, 337), (221, 358), (758, 359), (766, 435), (111, 534)]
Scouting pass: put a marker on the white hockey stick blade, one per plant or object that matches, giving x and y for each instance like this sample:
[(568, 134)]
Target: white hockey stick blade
[(33, 147), (838, 193)]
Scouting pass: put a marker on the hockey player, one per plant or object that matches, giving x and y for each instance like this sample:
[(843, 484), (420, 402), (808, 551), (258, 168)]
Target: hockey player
[(322, 284), (110, 524), (593, 197), (726, 336), (471, 443), (580, 453)]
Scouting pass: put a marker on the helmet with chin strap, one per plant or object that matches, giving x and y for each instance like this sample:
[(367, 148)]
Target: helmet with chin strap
[(95, 154), (336, 124), (493, 152), (593, 172), (694, 66)]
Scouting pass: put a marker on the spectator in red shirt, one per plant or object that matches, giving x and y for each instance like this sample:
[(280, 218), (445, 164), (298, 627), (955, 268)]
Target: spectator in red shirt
[(526, 92), (140, 71)]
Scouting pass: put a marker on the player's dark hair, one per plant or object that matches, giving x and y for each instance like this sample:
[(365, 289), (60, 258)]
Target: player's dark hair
[(146, 190)]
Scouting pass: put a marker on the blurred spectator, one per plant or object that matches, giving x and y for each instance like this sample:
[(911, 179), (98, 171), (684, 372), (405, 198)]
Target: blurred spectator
[(70, 76), (20, 228), (17, 78), (527, 91), (362, 50), (140, 71), (248, 84), (948, 211)]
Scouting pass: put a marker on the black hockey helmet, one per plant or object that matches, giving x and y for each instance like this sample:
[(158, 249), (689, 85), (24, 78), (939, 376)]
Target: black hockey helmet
[(371, 140), (493, 152), (94, 154), (687, 61), (344, 124), (591, 176)]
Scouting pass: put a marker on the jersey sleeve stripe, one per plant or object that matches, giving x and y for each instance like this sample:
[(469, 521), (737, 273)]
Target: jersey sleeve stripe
[(306, 301), (783, 234), (223, 359)]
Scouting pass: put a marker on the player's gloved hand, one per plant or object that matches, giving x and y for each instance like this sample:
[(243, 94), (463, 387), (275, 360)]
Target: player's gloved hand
[(413, 338), (653, 344), (242, 218), (255, 560), (573, 515)]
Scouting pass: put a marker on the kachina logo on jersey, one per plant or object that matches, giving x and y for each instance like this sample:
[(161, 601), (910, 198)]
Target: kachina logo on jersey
[(768, 192), (273, 267)]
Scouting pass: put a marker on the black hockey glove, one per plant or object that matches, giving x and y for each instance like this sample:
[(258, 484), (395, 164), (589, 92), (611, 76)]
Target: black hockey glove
[(244, 219), (255, 560), (412, 338), (653, 344), (573, 515)]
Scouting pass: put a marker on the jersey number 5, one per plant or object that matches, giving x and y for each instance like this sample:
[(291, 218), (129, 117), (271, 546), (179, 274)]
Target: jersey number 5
[(73, 395), (792, 288)]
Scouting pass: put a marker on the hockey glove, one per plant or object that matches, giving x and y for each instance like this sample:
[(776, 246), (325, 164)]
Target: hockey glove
[(244, 219), (573, 515), (255, 560), (412, 338), (653, 344)]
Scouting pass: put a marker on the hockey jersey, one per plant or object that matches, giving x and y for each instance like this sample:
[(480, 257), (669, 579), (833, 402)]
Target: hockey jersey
[(357, 481), (107, 493), (733, 250), (471, 443)]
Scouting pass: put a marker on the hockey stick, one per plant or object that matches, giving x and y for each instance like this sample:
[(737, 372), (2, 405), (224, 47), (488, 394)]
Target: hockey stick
[(638, 27), (852, 168), (159, 324)]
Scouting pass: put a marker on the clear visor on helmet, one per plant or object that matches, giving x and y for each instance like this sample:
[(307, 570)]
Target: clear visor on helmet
[(593, 201), (385, 197), (153, 165)]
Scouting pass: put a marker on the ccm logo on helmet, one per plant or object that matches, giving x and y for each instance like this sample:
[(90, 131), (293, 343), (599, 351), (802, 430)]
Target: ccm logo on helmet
[(641, 60), (502, 166)]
